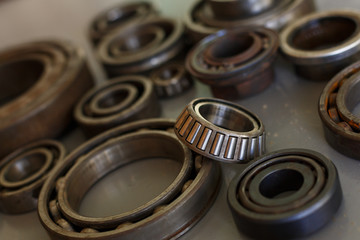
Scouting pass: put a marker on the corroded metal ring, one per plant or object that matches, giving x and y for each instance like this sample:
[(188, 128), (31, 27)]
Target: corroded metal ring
[(236, 63), (221, 130), (23, 172), (119, 15), (178, 213), (206, 17), (42, 78), (115, 102), (171, 80), (322, 44), (337, 100), (285, 194), (144, 46)]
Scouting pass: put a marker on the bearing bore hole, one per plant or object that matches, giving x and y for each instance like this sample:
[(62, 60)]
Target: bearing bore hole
[(232, 46), (323, 33), (137, 41), (226, 117), (281, 183), (17, 78), (113, 98), (168, 73), (352, 100), (25, 167), (118, 15)]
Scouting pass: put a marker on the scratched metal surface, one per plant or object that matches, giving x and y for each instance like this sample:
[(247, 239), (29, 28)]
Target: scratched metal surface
[(288, 109)]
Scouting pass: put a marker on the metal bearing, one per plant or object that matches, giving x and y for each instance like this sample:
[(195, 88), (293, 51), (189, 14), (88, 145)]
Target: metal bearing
[(337, 100), (43, 78), (171, 80), (120, 100), (177, 210), (141, 47), (221, 130), (236, 63), (321, 44), (119, 15), (23, 172), (207, 17), (285, 194)]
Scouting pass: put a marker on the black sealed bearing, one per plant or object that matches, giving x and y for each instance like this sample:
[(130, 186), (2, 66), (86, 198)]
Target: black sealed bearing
[(285, 194)]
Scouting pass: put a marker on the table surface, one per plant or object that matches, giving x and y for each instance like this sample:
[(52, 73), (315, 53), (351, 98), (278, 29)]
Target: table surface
[(288, 109)]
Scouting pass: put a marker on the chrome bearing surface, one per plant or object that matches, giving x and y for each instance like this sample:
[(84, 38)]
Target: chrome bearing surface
[(207, 17), (119, 100), (23, 172), (120, 15), (321, 44), (285, 194), (236, 63), (140, 47), (167, 216), (171, 80), (221, 130), (337, 101), (42, 78)]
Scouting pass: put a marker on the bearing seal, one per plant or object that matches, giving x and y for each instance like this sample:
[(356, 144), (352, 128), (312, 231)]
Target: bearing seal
[(285, 194), (221, 130), (321, 44), (23, 172)]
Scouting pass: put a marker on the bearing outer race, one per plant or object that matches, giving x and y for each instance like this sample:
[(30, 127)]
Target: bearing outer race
[(216, 142), (145, 106), (333, 59), (171, 222), (143, 60), (143, 10), (64, 80), (345, 142), (299, 222), (25, 198)]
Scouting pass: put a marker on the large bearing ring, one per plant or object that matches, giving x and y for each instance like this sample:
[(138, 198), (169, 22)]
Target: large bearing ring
[(322, 44), (120, 15), (236, 63), (23, 172), (140, 47), (221, 130), (43, 82), (207, 17), (337, 100), (285, 194), (115, 102), (168, 216)]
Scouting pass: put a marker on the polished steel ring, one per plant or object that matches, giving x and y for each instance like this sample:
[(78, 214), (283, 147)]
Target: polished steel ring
[(168, 216), (337, 101), (119, 15), (207, 17), (44, 81), (321, 44), (23, 172), (171, 80), (221, 130), (236, 63), (285, 194), (119, 100), (140, 47)]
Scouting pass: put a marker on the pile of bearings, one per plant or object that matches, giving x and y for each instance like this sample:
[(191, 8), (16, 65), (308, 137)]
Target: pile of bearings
[(283, 194)]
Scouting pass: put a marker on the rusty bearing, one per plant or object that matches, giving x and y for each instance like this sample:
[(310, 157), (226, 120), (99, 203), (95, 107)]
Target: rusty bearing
[(141, 47), (206, 17), (171, 80), (23, 172), (120, 100), (178, 208), (236, 63), (322, 44), (43, 82), (338, 99), (119, 15)]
